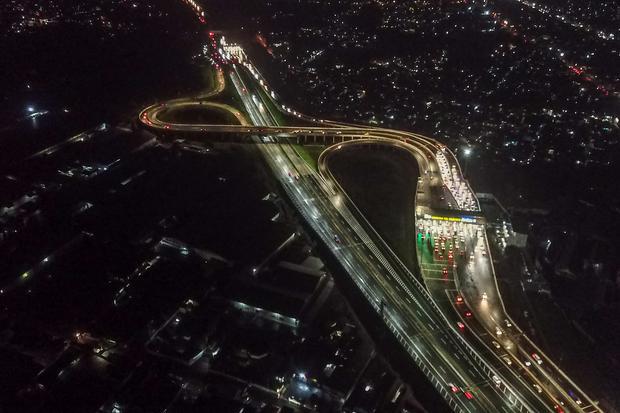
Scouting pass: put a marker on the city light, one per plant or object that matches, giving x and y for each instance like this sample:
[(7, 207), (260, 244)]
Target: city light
[(173, 170)]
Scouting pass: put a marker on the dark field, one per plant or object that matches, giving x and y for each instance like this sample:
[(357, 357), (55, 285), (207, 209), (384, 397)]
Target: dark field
[(382, 183)]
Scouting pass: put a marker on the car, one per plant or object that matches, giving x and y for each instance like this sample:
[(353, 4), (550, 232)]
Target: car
[(467, 314), (496, 344), (527, 363), (484, 296), (537, 358), (538, 388), (445, 271), (468, 395), (454, 388), (459, 299), (507, 360), (496, 380), (508, 323), (337, 238), (460, 325), (498, 331), (558, 408), (575, 398)]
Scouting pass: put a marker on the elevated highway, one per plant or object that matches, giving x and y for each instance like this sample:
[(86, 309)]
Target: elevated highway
[(464, 366)]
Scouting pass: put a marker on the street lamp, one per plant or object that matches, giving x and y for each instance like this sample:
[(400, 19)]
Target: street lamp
[(467, 153)]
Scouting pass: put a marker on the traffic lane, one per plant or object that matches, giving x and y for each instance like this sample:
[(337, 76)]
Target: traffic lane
[(487, 378), (456, 351), (480, 347), (492, 316), (257, 113), (392, 298), (430, 349), (517, 369), (480, 336)]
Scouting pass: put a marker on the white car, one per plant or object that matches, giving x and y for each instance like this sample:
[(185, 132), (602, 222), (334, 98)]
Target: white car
[(497, 381)]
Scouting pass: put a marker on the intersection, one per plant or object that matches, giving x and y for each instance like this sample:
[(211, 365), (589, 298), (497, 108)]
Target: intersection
[(450, 317)]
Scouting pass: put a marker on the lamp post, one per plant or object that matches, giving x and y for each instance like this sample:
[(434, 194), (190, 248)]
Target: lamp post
[(466, 153)]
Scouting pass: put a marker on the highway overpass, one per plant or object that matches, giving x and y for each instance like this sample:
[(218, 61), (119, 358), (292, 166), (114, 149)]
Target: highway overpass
[(465, 367)]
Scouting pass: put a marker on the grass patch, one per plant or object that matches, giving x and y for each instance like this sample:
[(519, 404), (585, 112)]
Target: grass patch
[(382, 183), (230, 97), (209, 77), (271, 107), (310, 154), (274, 109), (199, 115)]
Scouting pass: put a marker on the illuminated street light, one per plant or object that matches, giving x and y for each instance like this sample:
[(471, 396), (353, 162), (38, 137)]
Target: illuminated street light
[(467, 153)]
